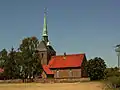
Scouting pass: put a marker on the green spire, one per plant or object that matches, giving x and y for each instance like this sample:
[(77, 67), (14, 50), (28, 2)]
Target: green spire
[(45, 32)]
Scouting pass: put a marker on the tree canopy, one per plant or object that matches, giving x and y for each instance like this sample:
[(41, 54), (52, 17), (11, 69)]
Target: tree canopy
[(23, 62), (31, 64), (96, 68)]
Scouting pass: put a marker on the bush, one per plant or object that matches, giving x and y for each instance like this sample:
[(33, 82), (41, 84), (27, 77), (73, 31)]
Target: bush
[(112, 77), (114, 81), (111, 72)]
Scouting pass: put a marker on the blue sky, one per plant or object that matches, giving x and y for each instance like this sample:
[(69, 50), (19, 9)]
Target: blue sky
[(74, 26)]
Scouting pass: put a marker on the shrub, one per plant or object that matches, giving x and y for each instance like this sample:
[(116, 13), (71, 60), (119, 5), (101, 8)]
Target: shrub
[(113, 77), (114, 81), (111, 72)]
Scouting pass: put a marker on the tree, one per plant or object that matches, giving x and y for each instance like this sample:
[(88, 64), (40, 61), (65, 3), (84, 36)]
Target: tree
[(3, 57), (96, 68), (11, 67), (30, 60)]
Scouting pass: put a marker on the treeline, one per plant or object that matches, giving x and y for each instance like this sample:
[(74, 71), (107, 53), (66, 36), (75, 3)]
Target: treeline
[(21, 63)]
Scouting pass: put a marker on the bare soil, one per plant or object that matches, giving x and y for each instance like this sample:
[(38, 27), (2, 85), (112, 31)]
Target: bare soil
[(54, 86)]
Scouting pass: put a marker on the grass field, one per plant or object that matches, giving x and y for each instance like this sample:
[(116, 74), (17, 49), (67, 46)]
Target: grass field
[(55, 86)]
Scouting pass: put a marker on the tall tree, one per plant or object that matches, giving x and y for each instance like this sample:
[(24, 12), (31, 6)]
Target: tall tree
[(11, 69), (96, 68), (3, 57), (31, 65)]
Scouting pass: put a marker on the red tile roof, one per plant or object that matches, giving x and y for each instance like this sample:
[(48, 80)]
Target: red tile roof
[(73, 60), (1, 70), (47, 70)]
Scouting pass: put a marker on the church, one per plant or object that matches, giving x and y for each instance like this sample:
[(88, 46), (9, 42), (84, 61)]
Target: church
[(59, 66)]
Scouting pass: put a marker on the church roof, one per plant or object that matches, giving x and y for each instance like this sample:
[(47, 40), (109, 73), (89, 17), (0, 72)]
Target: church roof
[(42, 46), (65, 61), (46, 69)]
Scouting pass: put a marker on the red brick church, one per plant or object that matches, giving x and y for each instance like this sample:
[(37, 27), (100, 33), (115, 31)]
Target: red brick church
[(59, 66)]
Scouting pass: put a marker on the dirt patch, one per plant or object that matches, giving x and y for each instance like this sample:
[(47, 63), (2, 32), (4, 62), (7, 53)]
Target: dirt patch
[(54, 86)]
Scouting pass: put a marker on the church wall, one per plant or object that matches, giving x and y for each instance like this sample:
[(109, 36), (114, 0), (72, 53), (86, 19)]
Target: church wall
[(43, 58)]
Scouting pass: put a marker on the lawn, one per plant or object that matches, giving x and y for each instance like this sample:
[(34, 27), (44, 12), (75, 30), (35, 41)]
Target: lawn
[(54, 86)]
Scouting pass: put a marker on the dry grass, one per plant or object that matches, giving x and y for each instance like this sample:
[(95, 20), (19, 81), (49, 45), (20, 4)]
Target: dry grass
[(55, 86)]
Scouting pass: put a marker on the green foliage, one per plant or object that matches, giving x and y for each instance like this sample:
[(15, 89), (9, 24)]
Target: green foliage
[(11, 67), (30, 60), (110, 72), (3, 57), (113, 77), (22, 63), (95, 68), (114, 82)]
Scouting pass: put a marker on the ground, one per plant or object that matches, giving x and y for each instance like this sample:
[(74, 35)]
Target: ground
[(55, 86)]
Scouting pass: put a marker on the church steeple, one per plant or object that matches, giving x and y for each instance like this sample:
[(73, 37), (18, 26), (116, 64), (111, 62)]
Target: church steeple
[(44, 49), (45, 32)]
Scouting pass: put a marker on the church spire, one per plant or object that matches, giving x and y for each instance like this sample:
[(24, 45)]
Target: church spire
[(45, 32)]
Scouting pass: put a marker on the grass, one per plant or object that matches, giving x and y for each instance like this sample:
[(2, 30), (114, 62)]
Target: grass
[(54, 86)]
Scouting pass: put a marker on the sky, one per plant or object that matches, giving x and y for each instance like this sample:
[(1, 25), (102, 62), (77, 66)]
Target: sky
[(74, 26)]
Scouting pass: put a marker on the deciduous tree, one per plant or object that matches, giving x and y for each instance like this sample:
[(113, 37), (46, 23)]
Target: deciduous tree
[(31, 64), (96, 68), (11, 65)]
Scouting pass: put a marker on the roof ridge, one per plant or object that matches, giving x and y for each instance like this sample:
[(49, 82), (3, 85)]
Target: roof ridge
[(69, 55)]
